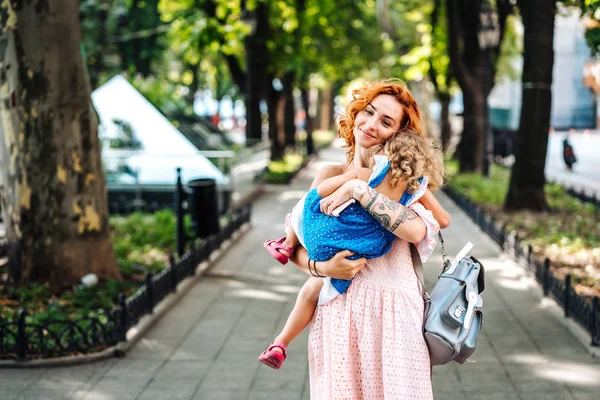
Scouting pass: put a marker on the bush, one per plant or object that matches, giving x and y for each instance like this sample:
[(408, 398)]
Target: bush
[(283, 171), (145, 239), (141, 242)]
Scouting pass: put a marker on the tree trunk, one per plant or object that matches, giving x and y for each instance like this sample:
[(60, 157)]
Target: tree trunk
[(335, 89), (53, 196), (256, 65), (289, 112), (445, 127), (280, 119), (526, 188), (308, 125), (325, 111), (277, 140), (469, 68), (471, 146), (253, 115)]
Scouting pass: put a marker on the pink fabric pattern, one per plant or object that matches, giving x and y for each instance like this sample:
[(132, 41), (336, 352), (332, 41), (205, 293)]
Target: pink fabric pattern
[(368, 343), (426, 246)]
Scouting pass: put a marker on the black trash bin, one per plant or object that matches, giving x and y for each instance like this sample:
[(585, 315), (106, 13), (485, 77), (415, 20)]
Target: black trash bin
[(204, 206)]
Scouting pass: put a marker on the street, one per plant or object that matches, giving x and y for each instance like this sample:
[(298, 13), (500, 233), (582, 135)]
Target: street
[(585, 172)]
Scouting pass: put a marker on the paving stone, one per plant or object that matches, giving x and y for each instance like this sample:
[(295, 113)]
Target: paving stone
[(236, 377), (180, 370), (119, 389), (207, 346), (10, 391), (221, 395), (174, 389)]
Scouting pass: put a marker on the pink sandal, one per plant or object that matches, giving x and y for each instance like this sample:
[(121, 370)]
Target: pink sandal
[(273, 247), (273, 358)]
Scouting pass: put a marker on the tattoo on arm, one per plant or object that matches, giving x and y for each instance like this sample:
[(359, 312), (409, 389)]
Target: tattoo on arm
[(406, 214), (385, 211), (373, 198)]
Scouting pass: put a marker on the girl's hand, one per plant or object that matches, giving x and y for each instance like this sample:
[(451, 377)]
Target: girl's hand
[(339, 267), (339, 197)]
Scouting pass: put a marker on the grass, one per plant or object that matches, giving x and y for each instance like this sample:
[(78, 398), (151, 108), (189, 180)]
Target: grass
[(568, 234)]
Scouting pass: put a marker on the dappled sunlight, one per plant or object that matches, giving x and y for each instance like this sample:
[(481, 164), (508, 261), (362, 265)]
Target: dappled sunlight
[(521, 284), (258, 294), (94, 394), (291, 195), (508, 275), (274, 275), (153, 345), (231, 283), (287, 289), (495, 264), (529, 358), (278, 270), (560, 371)]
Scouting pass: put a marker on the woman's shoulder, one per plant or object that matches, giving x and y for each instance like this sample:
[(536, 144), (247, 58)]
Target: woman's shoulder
[(334, 169)]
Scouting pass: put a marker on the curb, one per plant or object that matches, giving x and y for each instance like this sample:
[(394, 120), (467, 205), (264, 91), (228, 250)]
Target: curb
[(137, 332)]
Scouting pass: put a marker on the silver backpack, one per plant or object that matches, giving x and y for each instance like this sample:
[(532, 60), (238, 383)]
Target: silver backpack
[(453, 316)]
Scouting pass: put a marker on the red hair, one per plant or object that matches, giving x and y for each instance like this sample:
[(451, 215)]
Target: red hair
[(411, 115)]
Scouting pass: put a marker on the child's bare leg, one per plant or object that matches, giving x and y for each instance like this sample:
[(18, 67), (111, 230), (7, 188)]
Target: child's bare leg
[(302, 312), (291, 240)]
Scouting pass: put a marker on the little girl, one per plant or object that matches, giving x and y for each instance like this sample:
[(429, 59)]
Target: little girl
[(353, 230)]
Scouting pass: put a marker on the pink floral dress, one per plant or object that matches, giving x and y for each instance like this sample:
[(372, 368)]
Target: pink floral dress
[(368, 343)]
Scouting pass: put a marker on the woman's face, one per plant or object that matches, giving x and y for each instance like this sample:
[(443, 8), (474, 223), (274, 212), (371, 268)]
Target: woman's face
[(378, 121)]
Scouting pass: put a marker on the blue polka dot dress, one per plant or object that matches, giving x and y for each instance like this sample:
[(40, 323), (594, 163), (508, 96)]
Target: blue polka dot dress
[(354, 229)]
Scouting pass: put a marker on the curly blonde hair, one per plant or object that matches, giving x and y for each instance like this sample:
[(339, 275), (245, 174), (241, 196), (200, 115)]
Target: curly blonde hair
[(412, 154)]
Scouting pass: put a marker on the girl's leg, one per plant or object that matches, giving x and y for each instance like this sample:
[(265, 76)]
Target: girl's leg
[(297, 321), (291, 240), (283, 246), (302, 312)]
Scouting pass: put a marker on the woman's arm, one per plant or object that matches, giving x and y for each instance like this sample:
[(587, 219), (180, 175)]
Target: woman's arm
[(393, 216), (431, 203), (338, 266)]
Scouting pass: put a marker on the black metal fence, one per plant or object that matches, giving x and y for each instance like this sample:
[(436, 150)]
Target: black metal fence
[(575, 306), (582, 195), (23, 340)]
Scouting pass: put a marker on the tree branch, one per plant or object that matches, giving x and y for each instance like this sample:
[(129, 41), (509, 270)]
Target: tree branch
[(504, 9), (462, 74), (238, 75)]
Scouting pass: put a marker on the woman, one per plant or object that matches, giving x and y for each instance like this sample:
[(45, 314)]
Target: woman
[(368, 343)]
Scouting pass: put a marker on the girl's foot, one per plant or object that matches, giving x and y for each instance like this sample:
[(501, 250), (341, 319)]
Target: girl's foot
[(279, 250), (274, 356)]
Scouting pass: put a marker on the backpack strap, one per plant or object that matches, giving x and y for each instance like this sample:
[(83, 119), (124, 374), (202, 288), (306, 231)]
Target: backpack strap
[(418, 264)]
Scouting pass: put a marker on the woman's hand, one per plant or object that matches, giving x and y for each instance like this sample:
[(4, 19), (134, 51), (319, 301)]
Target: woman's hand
[(339, 267), (338, 197)]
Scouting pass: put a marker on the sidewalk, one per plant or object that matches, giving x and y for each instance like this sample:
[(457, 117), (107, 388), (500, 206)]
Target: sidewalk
[(207, 347)]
